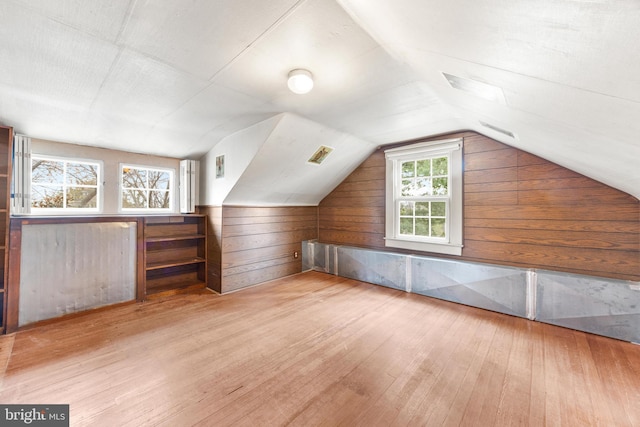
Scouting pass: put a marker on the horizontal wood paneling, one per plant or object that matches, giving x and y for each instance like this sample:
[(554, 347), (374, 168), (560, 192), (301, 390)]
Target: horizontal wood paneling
[(519, 210), (214, 241), (364, 212), (258, 243), (568, 213)]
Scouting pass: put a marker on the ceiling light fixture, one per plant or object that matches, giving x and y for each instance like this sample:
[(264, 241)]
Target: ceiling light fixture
[(300, 81)]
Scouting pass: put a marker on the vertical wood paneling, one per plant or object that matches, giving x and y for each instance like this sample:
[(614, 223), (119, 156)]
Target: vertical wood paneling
[(251, 245), (519, 210)]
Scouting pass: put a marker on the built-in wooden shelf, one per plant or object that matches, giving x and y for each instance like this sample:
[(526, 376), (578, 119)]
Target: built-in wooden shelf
[(175, 254), (175, 263), (171, 238), (167, 290), (6, 144)]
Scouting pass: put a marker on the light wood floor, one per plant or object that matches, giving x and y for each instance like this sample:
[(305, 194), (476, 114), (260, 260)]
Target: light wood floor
[(315, 349)]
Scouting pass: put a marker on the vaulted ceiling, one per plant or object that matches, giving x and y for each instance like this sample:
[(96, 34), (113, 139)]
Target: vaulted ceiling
[(176, 77)]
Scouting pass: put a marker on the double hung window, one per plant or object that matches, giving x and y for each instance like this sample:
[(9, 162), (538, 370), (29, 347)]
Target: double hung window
[(424, 197)]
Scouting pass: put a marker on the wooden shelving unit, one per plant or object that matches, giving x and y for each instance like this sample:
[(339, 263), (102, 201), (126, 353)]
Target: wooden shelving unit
[(6, 140), (175, 254)]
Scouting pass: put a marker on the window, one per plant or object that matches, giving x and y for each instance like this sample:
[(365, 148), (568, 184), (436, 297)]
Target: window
[(65, 185), (144, 188), (424, 197)]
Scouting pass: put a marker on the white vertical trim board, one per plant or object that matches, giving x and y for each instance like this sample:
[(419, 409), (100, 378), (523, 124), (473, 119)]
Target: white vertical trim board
[(409, 277), (532, 289), (21, 182)]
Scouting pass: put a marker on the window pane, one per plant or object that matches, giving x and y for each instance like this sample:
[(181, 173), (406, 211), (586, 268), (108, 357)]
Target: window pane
[(158, 199), (406, 208), (159, 180), (408, 169), (437, 227), (134, 199), (422, 187), (134, 178), (47, 196), (424, 167), (441, 166), (422, 226), (422, 208), (406, 226), (48, 171), (407, 187), (441, 186), (78, 197), (438, 208), (82, 174)]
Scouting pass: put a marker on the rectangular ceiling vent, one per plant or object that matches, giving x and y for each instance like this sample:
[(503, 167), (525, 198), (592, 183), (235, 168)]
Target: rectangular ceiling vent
[(320, 154), (497, 129), (477, 88)]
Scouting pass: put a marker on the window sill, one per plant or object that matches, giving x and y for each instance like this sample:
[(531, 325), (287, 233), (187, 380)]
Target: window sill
[(440, 248)]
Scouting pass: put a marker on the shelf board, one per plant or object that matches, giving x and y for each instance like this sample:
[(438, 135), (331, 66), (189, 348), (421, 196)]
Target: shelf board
[(172, 289), (174, 238), (174, 263)]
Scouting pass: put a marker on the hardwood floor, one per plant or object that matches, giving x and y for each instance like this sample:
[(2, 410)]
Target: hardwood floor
[(316, 349)]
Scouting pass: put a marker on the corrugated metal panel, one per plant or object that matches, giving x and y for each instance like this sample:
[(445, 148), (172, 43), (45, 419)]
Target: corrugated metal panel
[(67, 268), (382, 268), (491, 287), (601, 306)]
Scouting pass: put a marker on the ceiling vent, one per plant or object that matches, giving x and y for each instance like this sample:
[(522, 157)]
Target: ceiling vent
[(320, 154), (497, 129), (479, 89)]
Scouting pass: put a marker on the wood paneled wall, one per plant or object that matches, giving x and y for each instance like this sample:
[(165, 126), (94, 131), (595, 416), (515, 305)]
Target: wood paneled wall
[(214, 243), (251, 245), (519, 210)]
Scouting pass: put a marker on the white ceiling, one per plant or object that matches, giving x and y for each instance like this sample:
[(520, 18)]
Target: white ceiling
[(175, 77)]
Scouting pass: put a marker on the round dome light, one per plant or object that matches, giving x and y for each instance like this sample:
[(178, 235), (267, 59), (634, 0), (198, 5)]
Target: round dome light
[(300, 81)]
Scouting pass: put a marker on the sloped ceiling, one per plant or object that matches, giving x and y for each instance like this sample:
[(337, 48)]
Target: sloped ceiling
[(176, 77), (267, 164), (280, 173)]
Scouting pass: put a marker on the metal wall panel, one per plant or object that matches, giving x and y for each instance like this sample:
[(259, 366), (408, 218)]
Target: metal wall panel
[(601, 306), (306, 252), (381, 268), (66, 268), (495, 288), (318, 256), (320, 259)]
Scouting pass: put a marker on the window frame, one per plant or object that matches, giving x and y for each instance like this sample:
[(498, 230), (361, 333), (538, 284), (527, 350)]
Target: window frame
[(171, 190), (394, 157), (67, 210)]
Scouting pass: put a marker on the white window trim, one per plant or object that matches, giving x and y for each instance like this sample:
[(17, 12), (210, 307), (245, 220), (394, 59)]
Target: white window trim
[(452, 245), (172, 190), (71, 211)]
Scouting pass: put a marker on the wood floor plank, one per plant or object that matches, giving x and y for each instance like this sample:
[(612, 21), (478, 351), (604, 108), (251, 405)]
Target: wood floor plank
[(316, 349)]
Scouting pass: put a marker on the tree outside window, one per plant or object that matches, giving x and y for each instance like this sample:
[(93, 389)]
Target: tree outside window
[(64, 184), (146, 188)]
